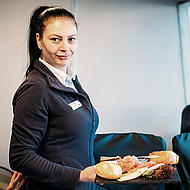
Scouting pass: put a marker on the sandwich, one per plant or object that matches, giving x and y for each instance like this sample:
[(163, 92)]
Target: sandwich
[(168, 157), (157, 165)]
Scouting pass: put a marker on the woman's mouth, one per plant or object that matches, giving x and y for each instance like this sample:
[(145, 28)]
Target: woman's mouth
[(63, 57)]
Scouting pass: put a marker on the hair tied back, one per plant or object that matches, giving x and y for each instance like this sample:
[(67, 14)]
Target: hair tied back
[(49, 9)]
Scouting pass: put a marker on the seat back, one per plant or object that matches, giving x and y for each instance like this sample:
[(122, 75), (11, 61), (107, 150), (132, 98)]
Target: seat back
[(123, 144), (185, 120), (181, 145)]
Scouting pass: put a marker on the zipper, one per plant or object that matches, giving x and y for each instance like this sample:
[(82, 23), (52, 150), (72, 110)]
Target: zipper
[(93, 121), (91, 113), (93, 125)]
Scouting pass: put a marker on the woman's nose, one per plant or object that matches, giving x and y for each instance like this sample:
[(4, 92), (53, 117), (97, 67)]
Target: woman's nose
[(64, 46)]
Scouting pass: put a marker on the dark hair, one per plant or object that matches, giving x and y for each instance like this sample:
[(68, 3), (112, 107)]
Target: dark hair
[(37, 25)]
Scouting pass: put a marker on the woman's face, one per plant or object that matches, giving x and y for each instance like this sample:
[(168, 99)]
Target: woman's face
[(59, 42)]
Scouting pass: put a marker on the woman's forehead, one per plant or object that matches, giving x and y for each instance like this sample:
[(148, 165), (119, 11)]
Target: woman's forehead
[(60, 25), (55, 20)]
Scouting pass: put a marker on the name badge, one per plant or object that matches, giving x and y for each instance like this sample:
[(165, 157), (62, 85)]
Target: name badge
[(75, 105)]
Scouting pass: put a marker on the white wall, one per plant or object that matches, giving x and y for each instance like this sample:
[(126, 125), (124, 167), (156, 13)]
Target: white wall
[(128, 61)]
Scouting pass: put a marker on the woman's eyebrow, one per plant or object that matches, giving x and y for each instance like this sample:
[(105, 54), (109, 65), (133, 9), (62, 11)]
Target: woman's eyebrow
[(55, 35), (72, 35), (61, 36)]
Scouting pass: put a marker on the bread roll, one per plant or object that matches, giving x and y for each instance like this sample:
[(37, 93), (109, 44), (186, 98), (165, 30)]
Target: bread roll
[(168, 157), (108, 170)]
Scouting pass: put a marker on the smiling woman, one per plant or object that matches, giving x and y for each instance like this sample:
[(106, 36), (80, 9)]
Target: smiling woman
[(58, 43), (54, 121), (48, 30)]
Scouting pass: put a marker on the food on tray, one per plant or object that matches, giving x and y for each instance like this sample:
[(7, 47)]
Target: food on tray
[(157, 165), (168, 157), (108, 170), (163, 172), (128, 163), (132, 174), (151, 169), (106, 158)]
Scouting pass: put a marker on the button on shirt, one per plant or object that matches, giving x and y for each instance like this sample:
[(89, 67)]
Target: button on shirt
[(64, 78)]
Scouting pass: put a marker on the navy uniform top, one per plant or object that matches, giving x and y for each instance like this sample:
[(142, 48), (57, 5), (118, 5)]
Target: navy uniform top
[(51, 141)]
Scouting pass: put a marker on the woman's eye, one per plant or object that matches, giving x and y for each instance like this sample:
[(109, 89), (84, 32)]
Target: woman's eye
[(55, 39), (72, 39)]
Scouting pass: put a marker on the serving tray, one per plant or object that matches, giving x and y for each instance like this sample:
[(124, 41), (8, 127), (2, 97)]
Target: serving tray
[(174, 178)]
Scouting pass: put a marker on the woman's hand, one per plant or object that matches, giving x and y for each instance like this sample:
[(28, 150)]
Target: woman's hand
[(88, 174), (17, 181)]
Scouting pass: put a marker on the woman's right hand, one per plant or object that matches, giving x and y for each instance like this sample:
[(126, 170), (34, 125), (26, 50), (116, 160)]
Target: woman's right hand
[(88, 174), (17, 181)]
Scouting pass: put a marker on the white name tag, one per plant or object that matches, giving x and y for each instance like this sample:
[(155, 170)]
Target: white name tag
[(75, 105)]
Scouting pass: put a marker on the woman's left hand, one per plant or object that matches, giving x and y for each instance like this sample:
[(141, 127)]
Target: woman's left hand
[(16, 181), (88, 174)]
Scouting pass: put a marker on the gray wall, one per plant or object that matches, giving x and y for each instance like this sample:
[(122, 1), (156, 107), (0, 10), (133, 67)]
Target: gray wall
[(128, 61)]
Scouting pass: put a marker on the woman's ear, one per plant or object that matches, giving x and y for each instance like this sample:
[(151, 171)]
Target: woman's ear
[(38, 40)]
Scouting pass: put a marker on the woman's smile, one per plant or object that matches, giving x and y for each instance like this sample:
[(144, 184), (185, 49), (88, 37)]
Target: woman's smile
[(64, 57), (58, 43)]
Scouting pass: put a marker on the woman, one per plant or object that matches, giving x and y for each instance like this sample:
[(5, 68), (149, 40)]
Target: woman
[(54, 121)]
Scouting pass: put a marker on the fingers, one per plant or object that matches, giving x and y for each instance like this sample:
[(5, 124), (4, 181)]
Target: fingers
[(16, 181), (14, 176), (18, 187)]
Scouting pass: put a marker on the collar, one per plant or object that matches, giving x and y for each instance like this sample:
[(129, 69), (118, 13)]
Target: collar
[(60, 75), (53, 82)]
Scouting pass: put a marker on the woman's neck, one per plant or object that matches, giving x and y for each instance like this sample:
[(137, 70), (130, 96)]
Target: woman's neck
[(59, 67)]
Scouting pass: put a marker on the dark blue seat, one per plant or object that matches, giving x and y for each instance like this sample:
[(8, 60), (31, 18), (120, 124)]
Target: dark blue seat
[(185, 120), (123, 144), (181, 145)]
